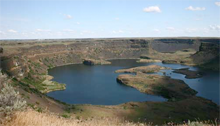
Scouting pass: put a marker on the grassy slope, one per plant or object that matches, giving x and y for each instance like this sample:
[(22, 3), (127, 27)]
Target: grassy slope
[(133, 111), (33, 118)]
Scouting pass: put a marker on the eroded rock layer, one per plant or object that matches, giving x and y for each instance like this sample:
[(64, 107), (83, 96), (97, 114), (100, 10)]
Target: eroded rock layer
[(27, 59)]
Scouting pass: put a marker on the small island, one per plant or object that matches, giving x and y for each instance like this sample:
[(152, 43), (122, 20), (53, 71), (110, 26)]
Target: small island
[(189, 73), (143, 69), (148, 61), (158, 85), (155, 84)]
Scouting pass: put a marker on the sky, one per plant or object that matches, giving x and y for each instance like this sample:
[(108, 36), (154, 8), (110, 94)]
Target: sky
[(45, 19)]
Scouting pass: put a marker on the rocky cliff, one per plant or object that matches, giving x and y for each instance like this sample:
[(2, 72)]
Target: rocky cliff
[(208, 55), (32, 59)]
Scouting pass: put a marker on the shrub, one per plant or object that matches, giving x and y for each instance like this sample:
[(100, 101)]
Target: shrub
[(65, 115), (10, 100)]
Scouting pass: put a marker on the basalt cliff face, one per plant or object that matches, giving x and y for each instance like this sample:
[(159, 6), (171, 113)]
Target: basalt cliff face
[(173, 45), (22, 59), (38, 58)]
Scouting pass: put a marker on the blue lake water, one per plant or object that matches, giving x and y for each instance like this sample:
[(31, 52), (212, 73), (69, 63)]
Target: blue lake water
[(97, 84)]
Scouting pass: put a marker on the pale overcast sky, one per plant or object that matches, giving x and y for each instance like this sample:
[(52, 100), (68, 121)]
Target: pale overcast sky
[(37, 19)]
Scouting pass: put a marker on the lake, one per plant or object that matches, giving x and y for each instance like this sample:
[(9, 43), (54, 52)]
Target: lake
[(97, 84)]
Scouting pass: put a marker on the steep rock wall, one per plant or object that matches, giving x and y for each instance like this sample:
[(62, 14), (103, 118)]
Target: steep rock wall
[(35, 59), (173, 45), (207, 52)]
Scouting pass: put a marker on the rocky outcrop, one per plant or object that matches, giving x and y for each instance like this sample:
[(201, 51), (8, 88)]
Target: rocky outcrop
[(170, 61), (92, 62), (189, 73), (208, 55)]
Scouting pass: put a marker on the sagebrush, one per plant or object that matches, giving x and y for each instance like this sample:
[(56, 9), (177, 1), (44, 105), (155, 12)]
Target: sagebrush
[(10, 100)]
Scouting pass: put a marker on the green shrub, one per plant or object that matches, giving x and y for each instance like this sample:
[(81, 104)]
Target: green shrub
[(39, 109), (65, 115)]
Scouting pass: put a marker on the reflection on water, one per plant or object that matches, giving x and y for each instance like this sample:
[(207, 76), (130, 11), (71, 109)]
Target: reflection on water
[(97, 84)]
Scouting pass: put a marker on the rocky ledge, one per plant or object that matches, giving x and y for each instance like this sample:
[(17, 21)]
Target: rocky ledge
[(49, 85), (170, 62), (91, 62), (189, 73), (143, 69)]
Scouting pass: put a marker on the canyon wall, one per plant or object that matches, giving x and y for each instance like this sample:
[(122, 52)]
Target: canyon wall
[(173, 45), (35, 57)]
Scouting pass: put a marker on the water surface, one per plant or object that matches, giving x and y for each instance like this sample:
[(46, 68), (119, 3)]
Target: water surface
[(97, 84)]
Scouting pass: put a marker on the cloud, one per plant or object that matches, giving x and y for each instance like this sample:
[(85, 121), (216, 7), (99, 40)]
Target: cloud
[(12, 31), (68, 30), (170, 28), (23, 33), (78, 23), (156, 30), (43, 30), (205, 30), (86, 32), (198, 19), (190, 30), (191, 8), (118, 31), (21, 19), (217, 3), (68, 16), (117, 18), (214, 27), (1, 32), (155, 9)]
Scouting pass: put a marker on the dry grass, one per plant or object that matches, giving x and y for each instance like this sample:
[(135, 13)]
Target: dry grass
[(33, 118)]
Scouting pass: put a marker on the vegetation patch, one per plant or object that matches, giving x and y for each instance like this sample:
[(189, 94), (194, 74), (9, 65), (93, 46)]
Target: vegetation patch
[(44, 85), (142, 69)]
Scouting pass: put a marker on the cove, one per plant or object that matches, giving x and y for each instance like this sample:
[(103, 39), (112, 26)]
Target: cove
[(97, 84)]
